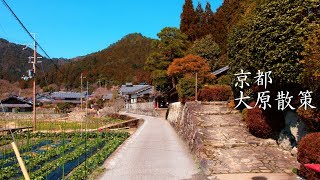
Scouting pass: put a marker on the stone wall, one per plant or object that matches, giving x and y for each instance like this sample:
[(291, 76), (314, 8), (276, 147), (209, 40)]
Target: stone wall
[(219, 139), (141, 108), (186, 119)]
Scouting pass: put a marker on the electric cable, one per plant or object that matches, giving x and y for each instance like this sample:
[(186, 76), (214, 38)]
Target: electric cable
[(28, 32)]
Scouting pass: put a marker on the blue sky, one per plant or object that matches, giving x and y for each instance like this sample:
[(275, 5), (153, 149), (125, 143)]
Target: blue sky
[(70, 28)]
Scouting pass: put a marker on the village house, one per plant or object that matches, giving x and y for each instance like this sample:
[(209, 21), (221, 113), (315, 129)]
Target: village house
[(15, 104), (68, 97), (137, 93)]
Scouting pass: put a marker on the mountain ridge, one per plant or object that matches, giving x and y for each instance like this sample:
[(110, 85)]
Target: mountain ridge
[(127, 56)]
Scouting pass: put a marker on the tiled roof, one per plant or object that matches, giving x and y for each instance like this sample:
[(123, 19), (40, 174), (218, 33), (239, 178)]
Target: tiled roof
[(221, 70), (107, 96), (68, 95), (16, 105), (22, 100), (134, 89)]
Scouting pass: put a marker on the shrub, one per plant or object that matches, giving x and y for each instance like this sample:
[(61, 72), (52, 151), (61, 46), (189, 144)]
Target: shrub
[(63, 107), (186, 88), (225, 80), (215, 93), (311, 118), (263, 123), (309, 153)]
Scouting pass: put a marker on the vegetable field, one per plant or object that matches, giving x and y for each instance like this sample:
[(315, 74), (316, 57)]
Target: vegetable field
[(57, 155)]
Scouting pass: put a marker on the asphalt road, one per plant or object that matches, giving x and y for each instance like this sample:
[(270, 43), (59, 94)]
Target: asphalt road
[(153, 152)]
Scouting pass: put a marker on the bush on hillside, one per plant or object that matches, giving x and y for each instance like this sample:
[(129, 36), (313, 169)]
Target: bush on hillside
[(225, 80), (309, 153), (215, 93), (311, 118), (186, 88), (263, 123)]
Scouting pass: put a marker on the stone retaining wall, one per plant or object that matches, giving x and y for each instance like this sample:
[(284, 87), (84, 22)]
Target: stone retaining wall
[(141, 108), (219, 139)]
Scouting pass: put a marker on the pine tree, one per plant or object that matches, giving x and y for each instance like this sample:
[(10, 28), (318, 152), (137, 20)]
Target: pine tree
[(187, 17)]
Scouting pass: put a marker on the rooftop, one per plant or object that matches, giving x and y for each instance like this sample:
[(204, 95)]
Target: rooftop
[(133, 89), (61, 94), (221, 70)]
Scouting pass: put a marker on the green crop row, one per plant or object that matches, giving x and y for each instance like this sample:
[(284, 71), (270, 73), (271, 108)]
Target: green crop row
[(39, 159), (83, 170), (41, 173)]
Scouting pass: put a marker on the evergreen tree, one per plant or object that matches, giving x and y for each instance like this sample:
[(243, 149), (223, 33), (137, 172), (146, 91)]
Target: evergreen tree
[(187, 18), (207, 49), (207, 19), (272, 40), (197, 25), (171, 44)]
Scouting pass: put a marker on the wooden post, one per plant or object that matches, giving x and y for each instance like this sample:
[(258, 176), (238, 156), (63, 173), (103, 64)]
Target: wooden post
[(20, 161)]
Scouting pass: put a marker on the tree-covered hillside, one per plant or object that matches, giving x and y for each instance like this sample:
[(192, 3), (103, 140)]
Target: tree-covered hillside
[(119, 63), (14, 61)]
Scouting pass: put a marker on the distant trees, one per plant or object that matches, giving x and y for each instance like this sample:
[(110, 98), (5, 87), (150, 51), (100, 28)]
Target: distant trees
[(195, 23), (172, 44), (119, 63), (187, 18), (208, 49)]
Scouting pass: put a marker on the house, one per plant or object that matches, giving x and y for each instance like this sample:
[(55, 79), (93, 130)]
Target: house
[(108, 96), (68, 97), (137, 93), (44, 99), (15, 104)]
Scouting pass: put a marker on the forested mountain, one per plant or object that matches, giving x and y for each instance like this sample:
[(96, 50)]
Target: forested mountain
[(14, 61), (119, 63)]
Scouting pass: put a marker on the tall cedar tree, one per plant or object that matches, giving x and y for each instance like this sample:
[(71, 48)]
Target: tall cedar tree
[(187, 18), (197, 25), (207, 19)]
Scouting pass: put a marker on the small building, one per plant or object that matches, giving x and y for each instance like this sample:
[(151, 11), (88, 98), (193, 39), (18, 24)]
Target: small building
[(44, 99), (15, 104), (137, 93), (221, 71), (68, 97), (107, 97)]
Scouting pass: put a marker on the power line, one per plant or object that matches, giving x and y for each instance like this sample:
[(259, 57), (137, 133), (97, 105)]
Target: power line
[(16, 17), (6, 4)]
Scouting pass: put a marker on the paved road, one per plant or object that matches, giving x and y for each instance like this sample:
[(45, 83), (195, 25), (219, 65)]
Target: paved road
[(154, 151)]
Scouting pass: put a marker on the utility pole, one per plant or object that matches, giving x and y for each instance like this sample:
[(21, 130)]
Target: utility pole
[(34, 84), (87, 106), (81, 77)]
